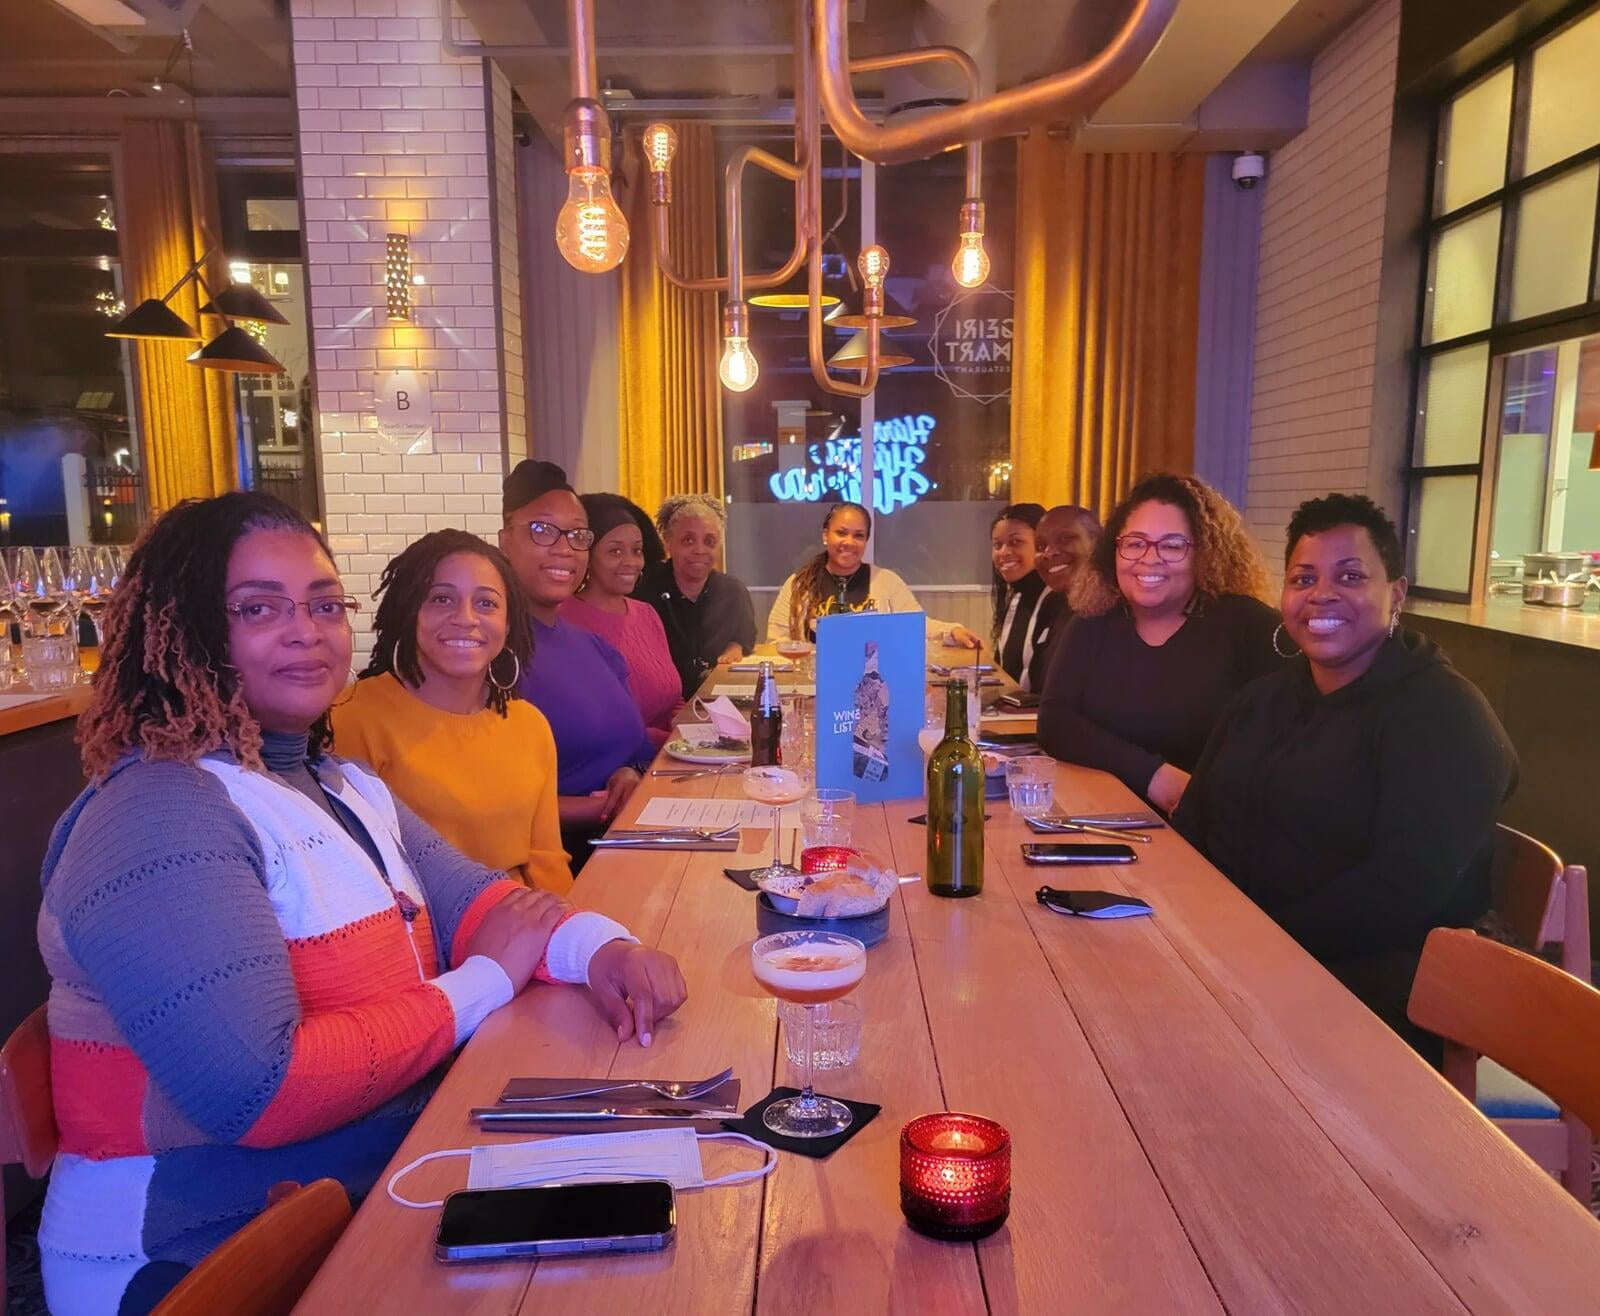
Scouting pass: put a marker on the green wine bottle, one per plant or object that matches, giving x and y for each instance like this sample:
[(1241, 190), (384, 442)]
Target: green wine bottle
[(955, 805)]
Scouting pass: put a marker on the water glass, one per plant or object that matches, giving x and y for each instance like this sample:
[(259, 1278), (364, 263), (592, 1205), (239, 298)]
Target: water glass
[(835, 1039), (51, 661), (1031, 784), (794, 745), (973, 676), (827, 817)]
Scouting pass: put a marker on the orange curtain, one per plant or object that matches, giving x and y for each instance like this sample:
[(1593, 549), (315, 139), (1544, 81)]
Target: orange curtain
[(1108, 276), (671, 402), (185, 414)]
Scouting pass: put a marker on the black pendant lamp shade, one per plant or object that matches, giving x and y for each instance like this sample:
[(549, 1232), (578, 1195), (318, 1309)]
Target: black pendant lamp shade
[(153, 318), (233, 349), (240, 301)]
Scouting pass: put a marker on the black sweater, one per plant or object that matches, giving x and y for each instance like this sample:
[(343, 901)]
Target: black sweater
[(1361, 819), (1111, 701), (699, 629)]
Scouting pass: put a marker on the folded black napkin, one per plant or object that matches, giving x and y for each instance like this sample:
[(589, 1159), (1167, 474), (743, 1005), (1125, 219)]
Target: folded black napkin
[(862, 1114), (744, 877)]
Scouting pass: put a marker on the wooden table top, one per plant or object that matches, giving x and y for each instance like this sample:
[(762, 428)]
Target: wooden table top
[(1203, 1120)]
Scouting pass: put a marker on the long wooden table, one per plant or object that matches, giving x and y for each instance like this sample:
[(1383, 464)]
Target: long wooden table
[(1203, 1120)]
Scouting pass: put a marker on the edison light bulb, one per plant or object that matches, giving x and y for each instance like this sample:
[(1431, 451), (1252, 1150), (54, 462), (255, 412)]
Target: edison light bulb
[(873, 264), (738, 368), (971, 265), (590, 230), (660, 145)]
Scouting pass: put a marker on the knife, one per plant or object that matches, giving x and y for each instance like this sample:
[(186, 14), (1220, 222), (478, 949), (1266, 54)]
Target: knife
[(1049, 826), (522, 1115)]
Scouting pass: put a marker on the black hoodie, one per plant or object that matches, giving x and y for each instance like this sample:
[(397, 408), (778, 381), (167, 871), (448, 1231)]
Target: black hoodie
[(1361, 819)]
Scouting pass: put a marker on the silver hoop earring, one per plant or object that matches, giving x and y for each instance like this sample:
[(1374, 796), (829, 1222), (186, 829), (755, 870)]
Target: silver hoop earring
[(1278, 648), (516, 676)]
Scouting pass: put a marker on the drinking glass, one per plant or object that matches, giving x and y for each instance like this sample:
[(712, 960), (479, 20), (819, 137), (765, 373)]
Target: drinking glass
[(808, 969), (827, 817), (1031, 784), (835, 1034), (973, 676), (58, 608), (794, 745), (777, 787), (10, 615), (932, 719), (104, 576), (25, 587)]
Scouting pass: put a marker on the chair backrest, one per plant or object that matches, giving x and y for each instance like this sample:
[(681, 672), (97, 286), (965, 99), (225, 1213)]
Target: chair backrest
[(1537, 1021), (28, 1134), (264, 1268), (1540, 900)]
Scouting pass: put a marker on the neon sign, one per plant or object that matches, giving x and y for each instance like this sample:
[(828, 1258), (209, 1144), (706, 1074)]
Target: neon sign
[(899, 449)]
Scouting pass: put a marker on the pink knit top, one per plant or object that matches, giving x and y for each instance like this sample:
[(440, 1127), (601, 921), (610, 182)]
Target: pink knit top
[(642, 642)]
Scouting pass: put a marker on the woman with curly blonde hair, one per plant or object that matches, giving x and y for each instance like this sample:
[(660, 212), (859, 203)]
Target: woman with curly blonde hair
[(1169, 625)]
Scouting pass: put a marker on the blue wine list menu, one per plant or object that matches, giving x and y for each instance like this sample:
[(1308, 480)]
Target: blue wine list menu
[(870, 684)]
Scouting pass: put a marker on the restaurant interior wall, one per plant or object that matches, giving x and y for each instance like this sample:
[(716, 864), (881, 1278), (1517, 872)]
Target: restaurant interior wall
[(395, 135), (1317, 294)]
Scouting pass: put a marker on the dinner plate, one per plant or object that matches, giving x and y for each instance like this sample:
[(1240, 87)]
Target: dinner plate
[(680, 749)]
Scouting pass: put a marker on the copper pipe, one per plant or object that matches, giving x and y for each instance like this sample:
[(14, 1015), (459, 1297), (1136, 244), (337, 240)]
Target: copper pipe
[(580, 38), (968, 69), (805, 145), (734, 189), (1073, 92)]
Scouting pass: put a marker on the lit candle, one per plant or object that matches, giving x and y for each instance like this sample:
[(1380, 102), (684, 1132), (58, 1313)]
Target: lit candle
[(955, 1175), (826, 858)]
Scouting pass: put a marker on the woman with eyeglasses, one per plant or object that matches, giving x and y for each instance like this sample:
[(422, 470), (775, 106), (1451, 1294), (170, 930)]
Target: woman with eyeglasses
[(603, 606), (259, 957), (577, 680), (436, 711), (1168, 625)]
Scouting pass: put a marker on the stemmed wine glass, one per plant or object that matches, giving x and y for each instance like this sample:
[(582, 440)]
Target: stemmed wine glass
[(778, 787), (10, 615), (104, 575), (808, 968), (27, 588)]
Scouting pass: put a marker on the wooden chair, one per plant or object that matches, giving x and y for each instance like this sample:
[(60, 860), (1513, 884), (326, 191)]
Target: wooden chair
[(1543, 903), (28, 1134), (1539, 1022), (264, 1268)]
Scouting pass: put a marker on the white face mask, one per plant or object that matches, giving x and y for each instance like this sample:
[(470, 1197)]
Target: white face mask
[(670, 1154)]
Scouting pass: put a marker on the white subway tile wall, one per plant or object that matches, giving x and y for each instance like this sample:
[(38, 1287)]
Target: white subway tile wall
[(397, 136), (1317, 295)]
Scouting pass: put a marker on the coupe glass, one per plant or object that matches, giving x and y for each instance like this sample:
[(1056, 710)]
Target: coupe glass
[(808, 969), (778, 787)]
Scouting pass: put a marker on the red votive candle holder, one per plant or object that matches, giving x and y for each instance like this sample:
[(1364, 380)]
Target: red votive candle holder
[(826, 858), (955, 1175)]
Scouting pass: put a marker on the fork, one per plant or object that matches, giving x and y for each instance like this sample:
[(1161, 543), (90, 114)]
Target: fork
[(685, 833), (671, 1091)]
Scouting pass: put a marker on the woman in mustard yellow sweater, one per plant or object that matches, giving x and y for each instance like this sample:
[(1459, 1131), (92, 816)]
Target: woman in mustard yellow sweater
[(436, 713)]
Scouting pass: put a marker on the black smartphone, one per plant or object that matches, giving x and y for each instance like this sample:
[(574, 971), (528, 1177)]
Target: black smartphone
[(1018, 699), (1079, 852), (559, 1220)]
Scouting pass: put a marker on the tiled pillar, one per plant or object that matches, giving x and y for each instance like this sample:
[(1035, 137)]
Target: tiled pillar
[(395, 136)]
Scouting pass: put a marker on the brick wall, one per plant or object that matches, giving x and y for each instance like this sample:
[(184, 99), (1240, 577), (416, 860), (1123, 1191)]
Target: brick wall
[(396, 136), (1317, 294)]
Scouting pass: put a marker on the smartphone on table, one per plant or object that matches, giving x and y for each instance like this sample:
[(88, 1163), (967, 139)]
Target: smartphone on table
[(491, 1224), (1079, 852)]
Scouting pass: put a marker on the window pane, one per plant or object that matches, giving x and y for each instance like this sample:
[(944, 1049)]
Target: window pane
[(1527, 414), (1442, 537), (1450, 423), (1555, 237), (271, 213), (1461, 277), (1472, 143), (1564, 108), (1580, 529), (275, 411)]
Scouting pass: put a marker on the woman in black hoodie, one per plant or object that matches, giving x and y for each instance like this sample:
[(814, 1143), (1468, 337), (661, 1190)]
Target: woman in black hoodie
[(1352, 794)]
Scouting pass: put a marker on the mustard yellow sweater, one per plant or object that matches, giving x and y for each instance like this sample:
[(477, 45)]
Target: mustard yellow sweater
[(486, 783)]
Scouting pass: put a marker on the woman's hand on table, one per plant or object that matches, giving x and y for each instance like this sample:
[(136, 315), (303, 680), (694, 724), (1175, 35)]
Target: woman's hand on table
[(731, 654), (635, 987), (516, 932), (603, 805), (1167, 786), (961, 638)]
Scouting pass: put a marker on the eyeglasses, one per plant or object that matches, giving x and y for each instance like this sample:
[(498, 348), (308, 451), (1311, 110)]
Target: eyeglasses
[(266, 611), (1169, 548), (545, 534)]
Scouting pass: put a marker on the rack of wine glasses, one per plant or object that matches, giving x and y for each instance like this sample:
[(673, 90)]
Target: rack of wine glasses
[(46, 595)]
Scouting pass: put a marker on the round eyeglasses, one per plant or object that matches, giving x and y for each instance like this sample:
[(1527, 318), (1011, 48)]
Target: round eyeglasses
[(1169, 548), (545, 533)]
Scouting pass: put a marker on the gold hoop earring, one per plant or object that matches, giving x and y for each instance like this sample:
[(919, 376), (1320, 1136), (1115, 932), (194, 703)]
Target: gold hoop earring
[(1277, 648), (516, 676)]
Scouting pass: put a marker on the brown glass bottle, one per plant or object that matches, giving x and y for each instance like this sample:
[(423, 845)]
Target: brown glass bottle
[(955, 805), (766, 721)]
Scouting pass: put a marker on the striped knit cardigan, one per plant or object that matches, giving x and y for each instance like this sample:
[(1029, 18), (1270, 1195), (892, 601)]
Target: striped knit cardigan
[(239, 997)]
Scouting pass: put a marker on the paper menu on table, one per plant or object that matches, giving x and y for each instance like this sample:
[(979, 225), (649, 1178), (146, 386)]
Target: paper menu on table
[(749, 691), (687, 811)]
